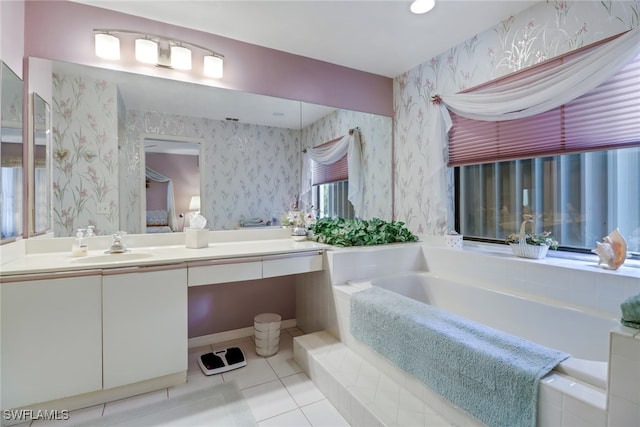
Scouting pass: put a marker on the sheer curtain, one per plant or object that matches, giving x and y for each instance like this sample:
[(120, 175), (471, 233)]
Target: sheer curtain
[(11, 203), (351, 146), (158, 177)]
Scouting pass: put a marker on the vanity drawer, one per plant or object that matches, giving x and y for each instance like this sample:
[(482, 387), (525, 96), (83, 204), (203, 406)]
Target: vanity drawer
[(226, 271), (282, 265)]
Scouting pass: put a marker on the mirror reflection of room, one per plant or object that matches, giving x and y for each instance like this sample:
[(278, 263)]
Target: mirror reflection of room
[(172, 184)]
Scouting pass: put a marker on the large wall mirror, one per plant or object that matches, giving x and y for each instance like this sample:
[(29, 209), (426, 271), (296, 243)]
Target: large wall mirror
[(249, 164), (11, 155)]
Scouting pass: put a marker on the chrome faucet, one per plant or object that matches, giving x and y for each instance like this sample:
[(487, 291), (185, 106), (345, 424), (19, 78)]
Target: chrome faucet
[(117, 247)]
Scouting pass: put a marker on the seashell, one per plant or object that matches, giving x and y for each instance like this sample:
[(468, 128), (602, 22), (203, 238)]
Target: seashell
[(612, 251)]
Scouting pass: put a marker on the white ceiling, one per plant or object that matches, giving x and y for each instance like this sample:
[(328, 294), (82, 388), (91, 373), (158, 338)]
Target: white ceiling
[(381, 37)]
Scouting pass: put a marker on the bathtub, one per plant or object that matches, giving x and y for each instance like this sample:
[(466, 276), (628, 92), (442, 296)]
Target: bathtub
[(579, 332), (582, 334)]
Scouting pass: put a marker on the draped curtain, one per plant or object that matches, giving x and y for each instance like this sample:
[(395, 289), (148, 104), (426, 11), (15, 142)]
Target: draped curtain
[(11, 203), (329, 154), (540, 92), (158, 177)]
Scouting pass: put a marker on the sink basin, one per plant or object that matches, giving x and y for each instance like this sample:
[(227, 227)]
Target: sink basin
[(111, 258)]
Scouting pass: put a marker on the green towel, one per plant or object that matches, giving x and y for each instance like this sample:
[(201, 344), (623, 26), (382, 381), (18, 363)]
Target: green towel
[(631, 312), (492, 375)]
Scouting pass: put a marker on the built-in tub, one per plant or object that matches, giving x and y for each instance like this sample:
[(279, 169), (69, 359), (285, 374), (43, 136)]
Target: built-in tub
[(584, 335), (579, 332)]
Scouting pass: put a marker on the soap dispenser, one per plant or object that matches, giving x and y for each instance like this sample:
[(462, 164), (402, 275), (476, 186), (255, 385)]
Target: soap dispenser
[(79, 246)]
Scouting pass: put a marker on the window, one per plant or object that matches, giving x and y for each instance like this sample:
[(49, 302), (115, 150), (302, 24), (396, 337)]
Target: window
[(576, 167), (580, 197), (331, 187), (331, 200)]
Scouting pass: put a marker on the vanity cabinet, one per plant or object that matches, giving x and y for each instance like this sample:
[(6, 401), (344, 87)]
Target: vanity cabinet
[(87, 335), (51, 337), (144, 326)]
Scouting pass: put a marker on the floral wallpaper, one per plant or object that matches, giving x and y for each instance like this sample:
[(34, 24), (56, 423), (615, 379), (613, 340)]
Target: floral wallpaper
[(249, 171), (543, 31), (375, 136), (84, 154)]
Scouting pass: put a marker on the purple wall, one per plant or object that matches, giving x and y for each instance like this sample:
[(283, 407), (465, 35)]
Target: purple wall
[(215, 308), (63, 31), (12, 38)]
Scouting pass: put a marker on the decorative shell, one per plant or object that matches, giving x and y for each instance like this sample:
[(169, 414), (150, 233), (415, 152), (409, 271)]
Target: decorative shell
[(612, 251)]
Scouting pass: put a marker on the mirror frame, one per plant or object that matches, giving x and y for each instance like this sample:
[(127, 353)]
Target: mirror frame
[(39, 122)]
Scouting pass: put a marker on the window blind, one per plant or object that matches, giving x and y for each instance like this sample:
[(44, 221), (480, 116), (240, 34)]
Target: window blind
[(605, 118), (338, 171)]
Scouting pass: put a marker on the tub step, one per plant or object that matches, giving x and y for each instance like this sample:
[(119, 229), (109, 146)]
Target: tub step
[(363, 395)]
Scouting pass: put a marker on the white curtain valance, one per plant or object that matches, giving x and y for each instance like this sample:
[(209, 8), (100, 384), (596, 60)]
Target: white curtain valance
[(326, 155), (548, 89), (158, 177)]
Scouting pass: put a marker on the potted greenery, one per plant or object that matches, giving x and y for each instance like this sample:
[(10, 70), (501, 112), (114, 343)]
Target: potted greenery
[(530, 244), (360, 232)]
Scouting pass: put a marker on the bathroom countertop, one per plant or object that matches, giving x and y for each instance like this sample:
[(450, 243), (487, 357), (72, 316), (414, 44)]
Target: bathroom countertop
[(55, 262)]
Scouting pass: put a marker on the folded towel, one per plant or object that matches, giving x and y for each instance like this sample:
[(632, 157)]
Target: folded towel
[(253, 222), (631, 312), (492, 375)]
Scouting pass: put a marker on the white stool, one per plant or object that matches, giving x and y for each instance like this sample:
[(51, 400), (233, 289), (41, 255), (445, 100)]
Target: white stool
[(266, 328)]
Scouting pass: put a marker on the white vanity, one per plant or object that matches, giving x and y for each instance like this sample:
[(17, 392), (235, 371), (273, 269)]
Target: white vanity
[(79, 331)]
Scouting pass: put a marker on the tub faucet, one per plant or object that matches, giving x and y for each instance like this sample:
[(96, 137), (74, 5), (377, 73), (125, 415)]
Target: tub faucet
[(117, 247)]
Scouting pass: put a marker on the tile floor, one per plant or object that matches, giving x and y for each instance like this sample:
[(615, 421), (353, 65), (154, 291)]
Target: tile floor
[(276, 389)]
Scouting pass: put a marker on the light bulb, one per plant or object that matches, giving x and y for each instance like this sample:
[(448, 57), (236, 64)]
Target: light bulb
[(107, 46), (180, 58), (214, 66), (147, 51), (422, 6)]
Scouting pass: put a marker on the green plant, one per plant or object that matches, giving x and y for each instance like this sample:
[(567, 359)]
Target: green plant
[(360, 232), (536, 239)]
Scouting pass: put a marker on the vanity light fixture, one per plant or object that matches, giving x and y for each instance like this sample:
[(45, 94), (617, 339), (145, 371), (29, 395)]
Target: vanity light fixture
[(107, 46), (159, 51), (422, 6)]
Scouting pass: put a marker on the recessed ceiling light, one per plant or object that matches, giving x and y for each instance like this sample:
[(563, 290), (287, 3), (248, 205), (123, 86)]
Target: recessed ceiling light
[(422, 6)]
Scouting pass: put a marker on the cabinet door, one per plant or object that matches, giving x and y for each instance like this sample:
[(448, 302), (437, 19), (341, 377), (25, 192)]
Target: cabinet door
[(144, 324), (51, 339)]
